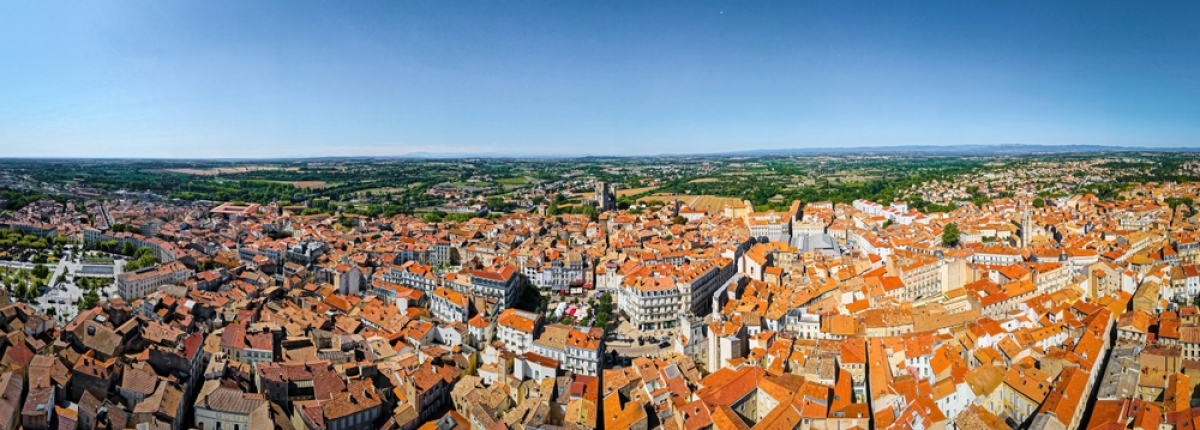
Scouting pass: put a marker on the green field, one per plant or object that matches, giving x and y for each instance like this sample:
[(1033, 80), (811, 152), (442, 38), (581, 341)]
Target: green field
[(513, 181)]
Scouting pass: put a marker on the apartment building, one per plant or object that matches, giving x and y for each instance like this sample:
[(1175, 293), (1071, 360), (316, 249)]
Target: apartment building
[(412, 274), (577, 349), (138, 284), (503, 284), (449, 305), (518, 329), (651, 303)]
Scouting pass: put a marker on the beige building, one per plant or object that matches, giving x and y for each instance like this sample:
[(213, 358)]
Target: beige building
[(135, 285)]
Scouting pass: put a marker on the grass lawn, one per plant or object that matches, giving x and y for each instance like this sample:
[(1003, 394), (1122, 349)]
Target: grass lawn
[(513, 181)]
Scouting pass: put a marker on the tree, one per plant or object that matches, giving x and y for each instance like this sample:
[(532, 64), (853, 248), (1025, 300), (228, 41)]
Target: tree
[(603, 312), (950, 235), (591, 212), (1039, 203), (435, 216), (679, 220), (128, 248), (40, 271), (89, 300)]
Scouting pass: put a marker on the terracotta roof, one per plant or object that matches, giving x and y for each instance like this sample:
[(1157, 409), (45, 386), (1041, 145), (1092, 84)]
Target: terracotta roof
[(139, 380), (219, 398), (503, 274), (522, 321), (454, 297), (725, 418), (11, 385)]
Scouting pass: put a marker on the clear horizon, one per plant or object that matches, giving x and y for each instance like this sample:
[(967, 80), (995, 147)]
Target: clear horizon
[(298, 80), (825, 150)]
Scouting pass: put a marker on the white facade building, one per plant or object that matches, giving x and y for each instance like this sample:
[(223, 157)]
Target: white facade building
[(135, 285)]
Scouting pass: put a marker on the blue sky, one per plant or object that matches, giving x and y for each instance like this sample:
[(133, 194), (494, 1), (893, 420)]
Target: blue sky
[(280, 79)]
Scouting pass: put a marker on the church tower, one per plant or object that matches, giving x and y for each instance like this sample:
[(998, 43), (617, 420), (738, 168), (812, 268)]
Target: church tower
[(606, 196), (1026, 227)]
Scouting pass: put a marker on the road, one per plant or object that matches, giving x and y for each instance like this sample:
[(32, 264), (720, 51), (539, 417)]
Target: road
[(16, 264)]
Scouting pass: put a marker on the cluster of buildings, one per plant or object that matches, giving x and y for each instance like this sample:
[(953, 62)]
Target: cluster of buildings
[(860, 317), (1075, 312), (1028, 178)]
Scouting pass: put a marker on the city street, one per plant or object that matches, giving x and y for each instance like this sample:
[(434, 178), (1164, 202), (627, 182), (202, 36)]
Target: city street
[(16, 264)]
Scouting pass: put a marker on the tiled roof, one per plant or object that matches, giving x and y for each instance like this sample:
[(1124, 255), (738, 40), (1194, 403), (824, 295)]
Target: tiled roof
[(218, 398), (139, 380), (519, 320)]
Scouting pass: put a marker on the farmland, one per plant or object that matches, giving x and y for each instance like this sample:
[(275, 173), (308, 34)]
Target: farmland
[(214, 171), (622, 192), (708, 203), (513, 181), (305, 184)]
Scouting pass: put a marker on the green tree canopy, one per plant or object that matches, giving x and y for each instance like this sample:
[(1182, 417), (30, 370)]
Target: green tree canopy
[(89, 300), (950, 235), (40, 271)]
